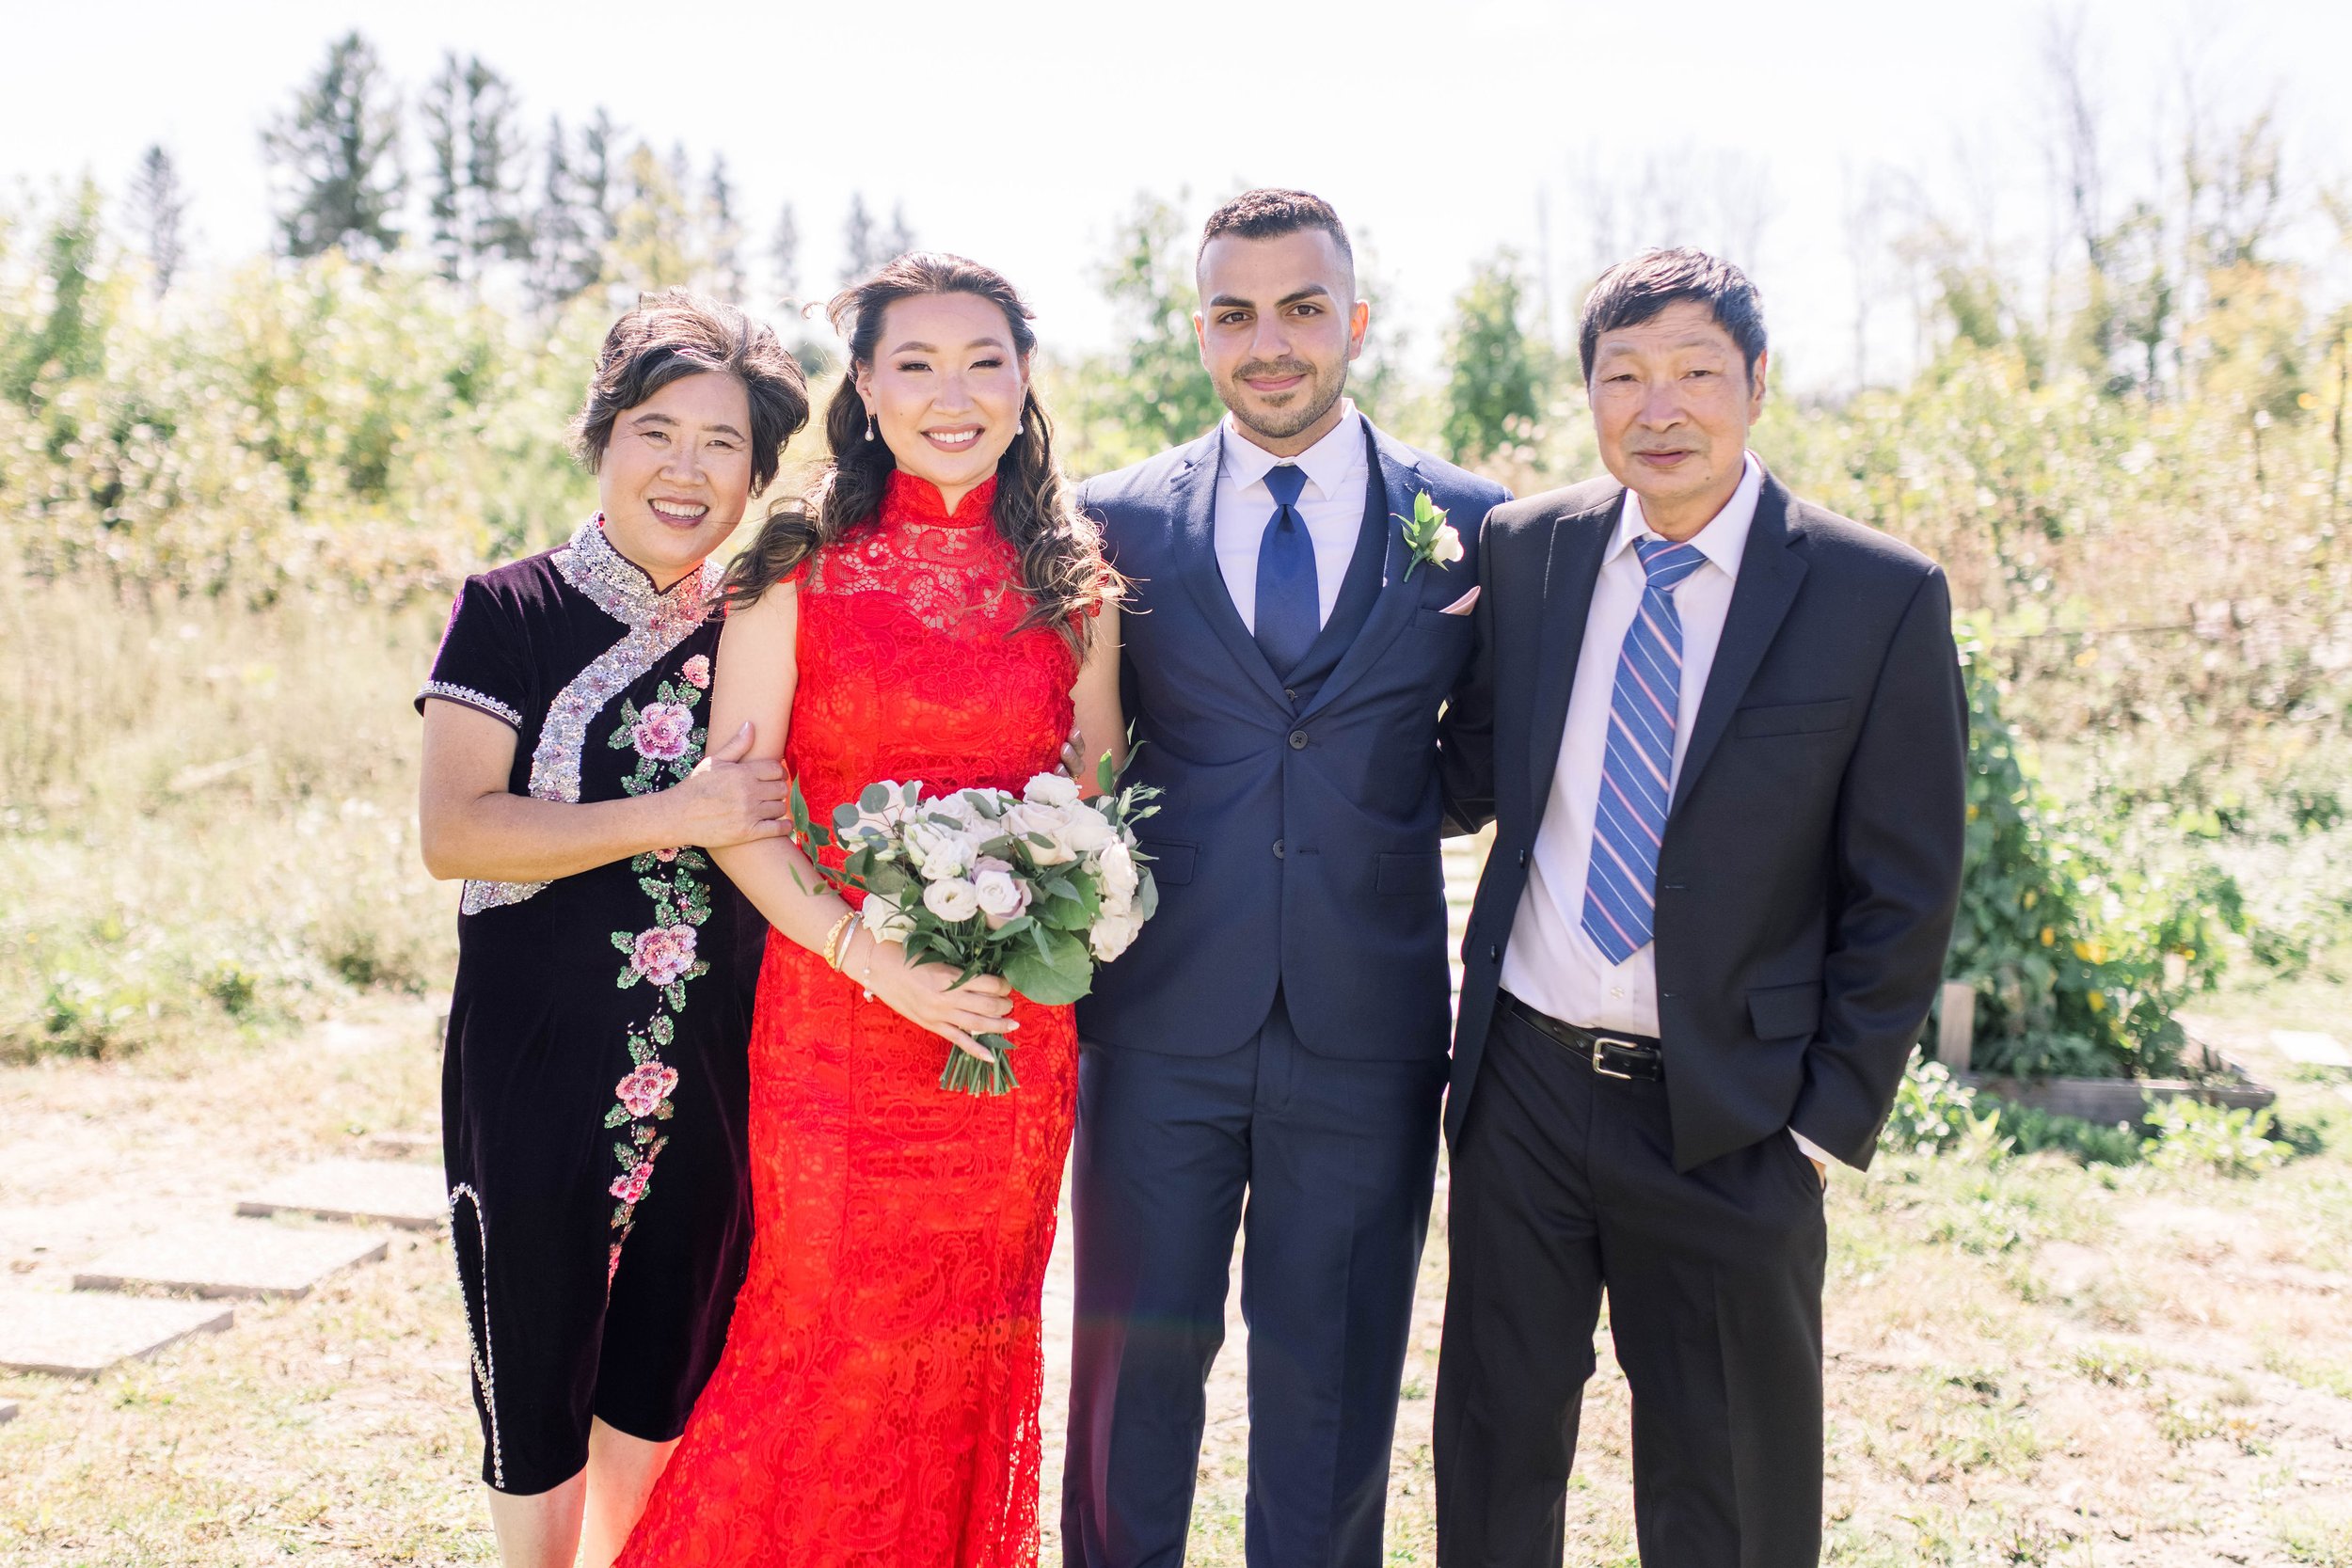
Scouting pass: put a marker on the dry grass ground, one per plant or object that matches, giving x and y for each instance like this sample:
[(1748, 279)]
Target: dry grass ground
[(2030, 1363)]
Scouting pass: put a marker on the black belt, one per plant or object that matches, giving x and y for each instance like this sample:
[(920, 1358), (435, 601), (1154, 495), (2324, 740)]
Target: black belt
[(1611, 1056)]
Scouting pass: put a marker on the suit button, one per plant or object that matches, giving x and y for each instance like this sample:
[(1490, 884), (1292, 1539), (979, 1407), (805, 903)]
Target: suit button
[(1494, 954), (1290, 694), (1277, 848), (1522, 858), (1299, 740)]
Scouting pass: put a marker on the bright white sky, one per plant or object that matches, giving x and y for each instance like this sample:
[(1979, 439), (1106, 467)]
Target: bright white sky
[(1018, 134)]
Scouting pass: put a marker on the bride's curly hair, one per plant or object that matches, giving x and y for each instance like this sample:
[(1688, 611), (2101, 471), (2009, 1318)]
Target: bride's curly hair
[(1060, 552)]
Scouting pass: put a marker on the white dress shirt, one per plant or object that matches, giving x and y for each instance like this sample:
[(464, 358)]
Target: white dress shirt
[(1552, 963), (1330, 503)]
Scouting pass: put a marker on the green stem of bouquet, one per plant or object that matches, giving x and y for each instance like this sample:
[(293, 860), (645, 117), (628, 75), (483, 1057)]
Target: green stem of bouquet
[(966, 1075)]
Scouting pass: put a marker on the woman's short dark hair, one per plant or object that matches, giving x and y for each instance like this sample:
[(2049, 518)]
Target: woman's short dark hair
[(1633, 292), (675, 333), (1266, 214)]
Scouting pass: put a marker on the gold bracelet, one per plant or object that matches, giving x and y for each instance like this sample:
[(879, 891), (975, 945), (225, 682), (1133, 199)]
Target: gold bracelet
[(833, 940)]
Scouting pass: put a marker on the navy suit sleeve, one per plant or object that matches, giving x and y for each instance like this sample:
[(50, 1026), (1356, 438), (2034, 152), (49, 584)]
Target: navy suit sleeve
[(1465, 732), (1899, 837)]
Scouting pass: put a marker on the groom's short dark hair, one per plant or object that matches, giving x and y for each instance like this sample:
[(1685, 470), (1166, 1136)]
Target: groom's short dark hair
[(1633, 292), (1266, 213)]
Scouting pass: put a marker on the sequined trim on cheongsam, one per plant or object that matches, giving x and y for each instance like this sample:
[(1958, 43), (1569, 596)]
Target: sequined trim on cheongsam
[(658, 621), (467, 696), (485, 1363)]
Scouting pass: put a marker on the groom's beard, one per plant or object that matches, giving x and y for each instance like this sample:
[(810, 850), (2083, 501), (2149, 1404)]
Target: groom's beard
[(1310, 403)]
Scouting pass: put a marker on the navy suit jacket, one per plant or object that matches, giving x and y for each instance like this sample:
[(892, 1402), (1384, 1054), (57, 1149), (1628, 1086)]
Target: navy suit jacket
[(1811, 862), (1296, 841)]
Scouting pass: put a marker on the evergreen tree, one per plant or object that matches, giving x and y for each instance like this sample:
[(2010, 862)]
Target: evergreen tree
[(158, 203), (337, 157), (654, 229), (70, 341), (475, 199), (783, 254), (725, 234), (563, 261), (1494, 374), (858, 243), (598, 193), (900, 239)]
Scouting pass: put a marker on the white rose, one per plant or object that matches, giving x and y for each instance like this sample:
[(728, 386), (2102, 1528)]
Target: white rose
[(938, 852), (1117, 866), (1001, 896), (1085, 830), (886, 920), (1050, 789), (956, 808), (1029, 823), (954, 900), (1112, 934), (1447, 547)]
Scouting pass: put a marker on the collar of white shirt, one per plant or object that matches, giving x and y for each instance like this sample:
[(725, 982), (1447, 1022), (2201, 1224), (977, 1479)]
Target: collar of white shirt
[(1329, 462), (1723, 541)]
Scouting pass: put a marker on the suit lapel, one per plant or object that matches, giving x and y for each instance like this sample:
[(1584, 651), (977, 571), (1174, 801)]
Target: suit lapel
[(1579, 542), (1400, 478), (1195, 544), (1769, 574)]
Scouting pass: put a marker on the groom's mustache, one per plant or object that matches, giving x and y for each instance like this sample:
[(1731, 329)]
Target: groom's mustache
[(1261, 368)]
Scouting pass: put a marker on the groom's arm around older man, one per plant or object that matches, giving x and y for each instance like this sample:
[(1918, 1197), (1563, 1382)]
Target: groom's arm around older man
[(1722, 735)]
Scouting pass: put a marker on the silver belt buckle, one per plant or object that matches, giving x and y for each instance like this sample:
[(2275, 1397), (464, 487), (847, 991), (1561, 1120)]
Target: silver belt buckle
[(1600, 1056)]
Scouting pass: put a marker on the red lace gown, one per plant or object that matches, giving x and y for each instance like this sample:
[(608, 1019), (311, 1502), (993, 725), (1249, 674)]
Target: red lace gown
[(877, 1402)]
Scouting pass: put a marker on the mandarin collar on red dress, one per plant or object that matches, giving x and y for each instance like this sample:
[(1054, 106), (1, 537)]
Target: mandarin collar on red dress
[(907, 499)]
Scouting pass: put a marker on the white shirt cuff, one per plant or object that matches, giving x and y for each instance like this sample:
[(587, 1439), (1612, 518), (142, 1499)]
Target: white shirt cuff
[(1812, 1150)]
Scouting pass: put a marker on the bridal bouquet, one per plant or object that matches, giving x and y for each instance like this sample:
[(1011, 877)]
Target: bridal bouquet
[(1038, 888)]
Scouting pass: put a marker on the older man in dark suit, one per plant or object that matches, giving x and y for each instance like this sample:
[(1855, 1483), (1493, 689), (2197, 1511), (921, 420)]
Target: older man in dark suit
[(1723, 738)]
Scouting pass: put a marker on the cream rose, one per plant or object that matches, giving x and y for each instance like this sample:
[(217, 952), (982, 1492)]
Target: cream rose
[(1002, 894), (953, 900), (1112, 934), (886, 920), (1050, 789)]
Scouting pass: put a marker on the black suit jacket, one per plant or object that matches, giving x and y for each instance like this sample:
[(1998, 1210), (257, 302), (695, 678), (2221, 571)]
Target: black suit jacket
[(1811, 860)]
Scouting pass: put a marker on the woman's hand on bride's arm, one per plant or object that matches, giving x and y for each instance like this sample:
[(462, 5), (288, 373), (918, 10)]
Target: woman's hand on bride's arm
[(732, 797), (927, 994)]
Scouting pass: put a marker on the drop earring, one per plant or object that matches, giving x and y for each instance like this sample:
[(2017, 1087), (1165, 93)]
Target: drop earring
[(869, 424)]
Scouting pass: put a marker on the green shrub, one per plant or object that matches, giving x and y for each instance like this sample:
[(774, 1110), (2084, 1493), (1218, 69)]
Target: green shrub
[(2187, 1134)]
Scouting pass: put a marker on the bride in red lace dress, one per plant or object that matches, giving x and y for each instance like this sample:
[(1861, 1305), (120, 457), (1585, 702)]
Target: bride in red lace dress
[(936, 611)]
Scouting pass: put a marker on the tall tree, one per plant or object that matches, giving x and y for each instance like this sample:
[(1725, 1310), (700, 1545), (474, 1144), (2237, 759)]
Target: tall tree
[(858, 241), (898, 239), (1156, 389), (726, 235), (563, 258), (71, 340), (600, 179), (475, 198), (1494, 376), (159, 203), (655, 229), (783, 254), (337, 153)]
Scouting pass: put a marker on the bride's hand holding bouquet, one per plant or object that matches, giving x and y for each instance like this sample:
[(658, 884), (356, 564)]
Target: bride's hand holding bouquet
[(981, 894)]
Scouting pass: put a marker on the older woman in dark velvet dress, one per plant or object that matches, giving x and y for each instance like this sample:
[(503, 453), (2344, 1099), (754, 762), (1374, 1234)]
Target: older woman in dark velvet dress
[(593, 1092)]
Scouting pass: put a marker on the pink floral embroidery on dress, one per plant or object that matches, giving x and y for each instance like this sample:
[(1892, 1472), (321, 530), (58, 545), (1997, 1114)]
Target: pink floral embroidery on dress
[(643, 1091), (663, 731), (662, 953), (697, 672)]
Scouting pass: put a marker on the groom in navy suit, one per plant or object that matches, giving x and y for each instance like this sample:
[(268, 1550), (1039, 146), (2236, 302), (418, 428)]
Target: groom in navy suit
[(1271, 1053)]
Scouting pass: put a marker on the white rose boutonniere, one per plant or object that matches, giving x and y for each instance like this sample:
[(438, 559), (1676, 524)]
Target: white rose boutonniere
[(1429, 536)]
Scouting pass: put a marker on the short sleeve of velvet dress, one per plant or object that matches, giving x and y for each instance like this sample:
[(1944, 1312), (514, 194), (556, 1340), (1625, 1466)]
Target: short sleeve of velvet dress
[(485, 661)]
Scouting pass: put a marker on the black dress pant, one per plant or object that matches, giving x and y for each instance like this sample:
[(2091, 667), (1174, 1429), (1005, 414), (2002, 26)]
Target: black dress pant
[(1334, 1160), (1563, 1187)]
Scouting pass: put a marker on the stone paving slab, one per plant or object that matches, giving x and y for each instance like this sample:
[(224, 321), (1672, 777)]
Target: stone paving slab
[(379, 1192), (81, 1334), (2311, 1048), (233, 1259), (403, 1146)]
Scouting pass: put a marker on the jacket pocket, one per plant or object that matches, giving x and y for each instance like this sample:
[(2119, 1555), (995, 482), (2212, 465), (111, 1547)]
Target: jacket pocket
[(1786, 1012), (1791, 718), (1170, 862), (1417, 872)]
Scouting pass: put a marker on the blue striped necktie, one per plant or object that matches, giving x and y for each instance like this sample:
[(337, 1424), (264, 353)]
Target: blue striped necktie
[(1637, 766)]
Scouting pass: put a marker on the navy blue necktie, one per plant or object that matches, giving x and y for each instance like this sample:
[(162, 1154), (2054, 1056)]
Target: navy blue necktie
[(1290, 613)]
